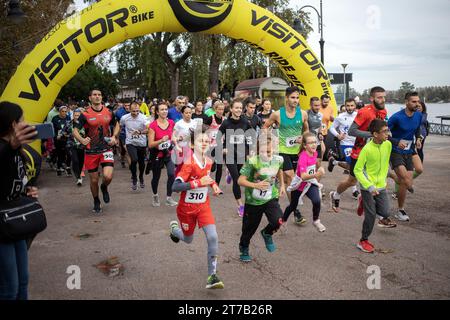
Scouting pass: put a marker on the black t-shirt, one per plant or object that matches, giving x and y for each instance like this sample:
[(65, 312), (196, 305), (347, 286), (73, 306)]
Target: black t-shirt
[(237, 133), (12, 172), (209, 120), (254, 122), (202, 116), (58, 126)]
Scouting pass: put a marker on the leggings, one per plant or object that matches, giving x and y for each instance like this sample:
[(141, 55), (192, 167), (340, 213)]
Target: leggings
[(216, 167), (213, 244), (157, 165), (234, 169), (420, 151), (62, 154), (77, 161), (313, 194), (137, 155)]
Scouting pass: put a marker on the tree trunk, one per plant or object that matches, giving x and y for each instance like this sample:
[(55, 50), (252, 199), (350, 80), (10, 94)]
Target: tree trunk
[(174, 82), (214, 63)]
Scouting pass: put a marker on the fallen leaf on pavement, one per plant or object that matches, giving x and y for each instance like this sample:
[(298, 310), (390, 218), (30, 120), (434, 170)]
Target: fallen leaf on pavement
[(111, 267), (82, 236), (384, 250)]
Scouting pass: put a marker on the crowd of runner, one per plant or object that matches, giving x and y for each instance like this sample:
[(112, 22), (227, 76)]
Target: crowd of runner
[(268, 153)]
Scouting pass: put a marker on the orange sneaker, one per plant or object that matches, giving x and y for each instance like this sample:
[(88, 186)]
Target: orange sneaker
[(366, 246)]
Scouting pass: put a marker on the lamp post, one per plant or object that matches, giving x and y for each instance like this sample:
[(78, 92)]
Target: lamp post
[(344, 65), (298, 26), (15, 13)]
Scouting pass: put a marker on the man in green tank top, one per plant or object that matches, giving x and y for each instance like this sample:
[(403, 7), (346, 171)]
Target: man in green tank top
[(292, 123)]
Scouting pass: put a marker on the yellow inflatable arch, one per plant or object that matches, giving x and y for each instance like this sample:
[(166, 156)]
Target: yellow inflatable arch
[(73, 41)]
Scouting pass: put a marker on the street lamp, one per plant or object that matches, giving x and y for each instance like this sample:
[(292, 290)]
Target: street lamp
[(298, 26), (344, 65), (15, 13)]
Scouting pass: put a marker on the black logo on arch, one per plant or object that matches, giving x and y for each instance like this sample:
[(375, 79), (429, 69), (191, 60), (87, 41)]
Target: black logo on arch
[(200, 15)]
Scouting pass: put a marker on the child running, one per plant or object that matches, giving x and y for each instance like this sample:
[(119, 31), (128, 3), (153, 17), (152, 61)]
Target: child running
[(194, 208), (258, 176), (371, 171), (308, 179)]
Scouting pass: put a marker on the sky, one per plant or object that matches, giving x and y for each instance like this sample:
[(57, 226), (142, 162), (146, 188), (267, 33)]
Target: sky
[(384, 42)]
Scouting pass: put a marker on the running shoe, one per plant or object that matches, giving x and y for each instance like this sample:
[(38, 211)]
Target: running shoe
[(240, 211), (346, 172), (411, 190), (156, 202), (79, 182), (355, 194), (319, 226), (68, 172), (402, 215), (134, 184), (214, 282), (386, 223), (330, 164), (244, 254), (394, 196), (173, 225), (59, 172), (122, 163), (97, 207), (334, 202), (141, 183), (270, 246), (228, 179), (105, 193), (360, 210), (365, 246), (170, 202), (298, 219)]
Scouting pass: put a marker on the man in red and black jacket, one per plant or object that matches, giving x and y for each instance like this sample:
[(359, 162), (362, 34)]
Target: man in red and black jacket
[(97, 121)]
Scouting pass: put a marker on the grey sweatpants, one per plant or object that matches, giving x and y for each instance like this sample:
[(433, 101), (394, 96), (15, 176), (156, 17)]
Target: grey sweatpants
[(373, 206)]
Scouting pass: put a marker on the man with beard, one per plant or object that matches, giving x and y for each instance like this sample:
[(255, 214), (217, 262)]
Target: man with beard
[(359, 129)]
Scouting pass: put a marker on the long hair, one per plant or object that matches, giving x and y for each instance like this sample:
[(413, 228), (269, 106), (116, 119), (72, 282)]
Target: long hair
[(305, 136)]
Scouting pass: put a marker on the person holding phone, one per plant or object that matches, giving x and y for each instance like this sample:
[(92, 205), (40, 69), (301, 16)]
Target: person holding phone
[(14, 133), (99, 141)]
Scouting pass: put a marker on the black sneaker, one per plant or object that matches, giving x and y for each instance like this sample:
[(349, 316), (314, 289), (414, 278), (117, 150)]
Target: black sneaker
[(330, 164), (334, 202), (134, 184), (141, 183), (97, 207), (59, 172), (68, 172), (122, 163), (105, 193), (355, 194)]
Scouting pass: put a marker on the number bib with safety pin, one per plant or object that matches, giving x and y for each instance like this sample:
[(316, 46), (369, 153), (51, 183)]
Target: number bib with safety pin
[(408, 144), (198, 195), (262, 194), (108, 156), (164, 145), (311, 169), (290, 142)]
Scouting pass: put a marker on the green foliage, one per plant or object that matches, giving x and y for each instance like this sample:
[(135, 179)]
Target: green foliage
[(91, 76)]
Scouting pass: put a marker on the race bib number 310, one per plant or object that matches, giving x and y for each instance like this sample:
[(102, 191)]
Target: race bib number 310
[(198, 195)]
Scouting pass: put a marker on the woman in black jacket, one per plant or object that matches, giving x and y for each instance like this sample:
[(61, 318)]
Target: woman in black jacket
[(14, 133)]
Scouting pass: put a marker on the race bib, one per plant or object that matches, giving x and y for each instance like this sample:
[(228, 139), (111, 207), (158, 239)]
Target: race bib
[(311, 169), (348, 152), (262, 194), (164, 145), (291, 142), (108, 156), (198, 195), (408, 144), (237, 139)]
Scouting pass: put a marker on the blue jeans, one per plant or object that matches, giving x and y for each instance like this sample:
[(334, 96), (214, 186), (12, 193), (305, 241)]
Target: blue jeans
[(14, 271)]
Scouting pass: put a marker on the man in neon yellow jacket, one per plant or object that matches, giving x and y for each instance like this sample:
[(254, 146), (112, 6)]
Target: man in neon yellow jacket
[(371, 171)]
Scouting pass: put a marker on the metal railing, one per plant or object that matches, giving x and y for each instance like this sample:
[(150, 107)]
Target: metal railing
[(440, 129)]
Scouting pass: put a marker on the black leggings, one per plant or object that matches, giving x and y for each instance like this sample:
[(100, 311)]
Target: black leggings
[(62, 154), (137, 155), (157, 165), (234, 172), (216, 167), (77, 161), (313, 194), (252, 219), (420, 151)]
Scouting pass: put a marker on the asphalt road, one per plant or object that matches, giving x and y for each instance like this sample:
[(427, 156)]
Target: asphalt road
[(414, 258)]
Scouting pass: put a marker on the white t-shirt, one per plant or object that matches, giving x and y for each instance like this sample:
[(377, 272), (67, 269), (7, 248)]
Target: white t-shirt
[(131, 126), (182, 128), (342, 124)]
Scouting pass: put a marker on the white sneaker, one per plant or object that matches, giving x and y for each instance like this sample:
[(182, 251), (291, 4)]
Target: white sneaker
[(170, 202), (79, 182), (156, 201), (401, 215), (320, 227)]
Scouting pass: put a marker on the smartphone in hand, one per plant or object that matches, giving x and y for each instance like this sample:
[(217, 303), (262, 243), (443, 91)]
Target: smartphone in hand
[(44, 131)]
